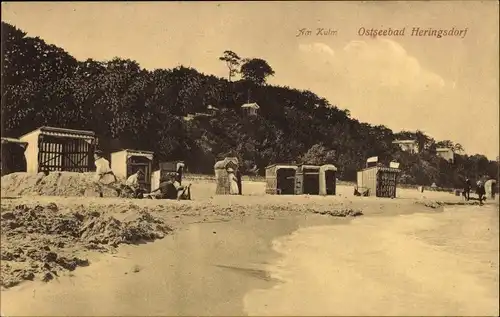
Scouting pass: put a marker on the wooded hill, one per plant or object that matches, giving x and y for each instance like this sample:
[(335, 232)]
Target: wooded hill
[(130, 107)]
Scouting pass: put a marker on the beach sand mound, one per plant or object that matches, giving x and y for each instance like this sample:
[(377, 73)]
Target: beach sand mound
[(41, 241), (435, 204), (344, 212), (53, 184)]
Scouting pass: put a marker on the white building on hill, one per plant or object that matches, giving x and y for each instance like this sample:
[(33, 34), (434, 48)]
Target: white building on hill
[(408, 145), (446, 153)]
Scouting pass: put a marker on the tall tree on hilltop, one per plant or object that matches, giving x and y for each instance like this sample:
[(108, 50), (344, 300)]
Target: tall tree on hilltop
[(256, 70), (455, 147), (424, 141), (232, 61), (458, 148)]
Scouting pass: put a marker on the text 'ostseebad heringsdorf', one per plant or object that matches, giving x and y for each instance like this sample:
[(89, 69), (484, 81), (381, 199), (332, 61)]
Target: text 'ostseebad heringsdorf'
[(413, 31)]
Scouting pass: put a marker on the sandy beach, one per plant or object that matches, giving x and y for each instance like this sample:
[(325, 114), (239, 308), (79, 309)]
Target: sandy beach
[(420, 253)]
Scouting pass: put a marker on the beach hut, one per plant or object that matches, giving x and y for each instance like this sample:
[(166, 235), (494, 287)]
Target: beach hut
[(378, 180), (221, 175), (250, 109), (280, 179), (490, 188), (58, 149), (327, 179), (13, 159), (164, 169), (126, 162), (172, 166), (307, 180)]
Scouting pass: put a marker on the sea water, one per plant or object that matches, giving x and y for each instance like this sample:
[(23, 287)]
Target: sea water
[(420, 264)]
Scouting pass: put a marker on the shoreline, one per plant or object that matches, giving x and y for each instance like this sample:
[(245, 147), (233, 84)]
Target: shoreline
[(432, 265), (174, 215)]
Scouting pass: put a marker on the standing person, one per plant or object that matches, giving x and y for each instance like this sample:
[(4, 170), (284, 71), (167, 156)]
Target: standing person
[(180, 171), (467, 188), (134, 183), (233, 182), (480, 191), (238, 181), (104, 176)]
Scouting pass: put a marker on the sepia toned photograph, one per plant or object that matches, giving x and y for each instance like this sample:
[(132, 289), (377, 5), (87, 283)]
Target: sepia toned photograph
[(250, 158)]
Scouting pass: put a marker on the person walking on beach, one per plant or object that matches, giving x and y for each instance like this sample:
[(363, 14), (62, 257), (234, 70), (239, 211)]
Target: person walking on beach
[(233, 182), (467, 188), (104, 176), (480, 191), (180, 171), (238, 181)]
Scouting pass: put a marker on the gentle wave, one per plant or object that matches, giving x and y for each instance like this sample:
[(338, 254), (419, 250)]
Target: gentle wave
[(421, 264)]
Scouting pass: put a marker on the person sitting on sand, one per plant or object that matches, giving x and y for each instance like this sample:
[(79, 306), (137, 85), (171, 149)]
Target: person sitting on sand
[(104, 176), (171, 189), (133, 184)]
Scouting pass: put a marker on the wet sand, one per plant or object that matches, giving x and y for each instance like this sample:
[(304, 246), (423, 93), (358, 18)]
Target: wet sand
[(203, 269), (443, 264), (223, 262)]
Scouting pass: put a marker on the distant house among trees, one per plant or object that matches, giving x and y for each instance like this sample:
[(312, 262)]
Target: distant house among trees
[(410, 146), (446, 153), (250, 109), (211, 110)]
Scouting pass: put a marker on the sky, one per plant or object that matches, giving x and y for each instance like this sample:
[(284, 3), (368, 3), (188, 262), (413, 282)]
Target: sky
[(447, 87)]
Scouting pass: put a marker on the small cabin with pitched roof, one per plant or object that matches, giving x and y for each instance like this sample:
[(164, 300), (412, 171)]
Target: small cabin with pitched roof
[(250, 109)]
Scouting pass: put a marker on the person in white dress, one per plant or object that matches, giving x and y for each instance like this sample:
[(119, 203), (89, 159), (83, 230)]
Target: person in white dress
[(233, 182), (104, 176)]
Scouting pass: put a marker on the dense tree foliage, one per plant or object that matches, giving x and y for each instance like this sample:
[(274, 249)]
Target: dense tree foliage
[(256, 70), (165, 111)]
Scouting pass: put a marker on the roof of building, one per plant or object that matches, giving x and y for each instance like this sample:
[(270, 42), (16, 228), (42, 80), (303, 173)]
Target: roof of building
[(12, 140), (282, 165), (136, 151), (201, 114), (308, 166), (404, 141), (443, 149), (62, 132), (328, 167), (130, 153), (383, 169), (251, 105)]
